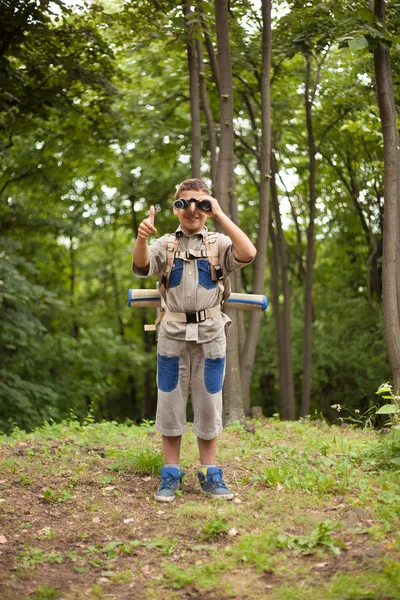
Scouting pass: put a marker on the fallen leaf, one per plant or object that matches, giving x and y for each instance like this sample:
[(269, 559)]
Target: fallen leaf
[(233, 531), (3, 539), (160, 512)]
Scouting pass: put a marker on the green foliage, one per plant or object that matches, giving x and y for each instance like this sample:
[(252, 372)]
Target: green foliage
[(318, 537), (142, 462), (212, 530), (45, 592), (30, 556)]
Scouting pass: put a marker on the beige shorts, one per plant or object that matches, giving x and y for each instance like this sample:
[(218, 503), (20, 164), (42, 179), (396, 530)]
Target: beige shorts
[(184, 367)]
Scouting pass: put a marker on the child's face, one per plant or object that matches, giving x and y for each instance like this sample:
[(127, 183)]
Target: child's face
[(191, 219)]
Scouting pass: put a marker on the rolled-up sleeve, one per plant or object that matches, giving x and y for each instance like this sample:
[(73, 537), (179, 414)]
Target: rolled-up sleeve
[(157, 259), (227, 258)]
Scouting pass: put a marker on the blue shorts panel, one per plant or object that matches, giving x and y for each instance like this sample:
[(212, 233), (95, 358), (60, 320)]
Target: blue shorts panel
[(167, 372), (214, 369)]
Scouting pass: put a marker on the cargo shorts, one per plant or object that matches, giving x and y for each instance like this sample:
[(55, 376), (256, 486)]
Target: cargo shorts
[(183, 367)]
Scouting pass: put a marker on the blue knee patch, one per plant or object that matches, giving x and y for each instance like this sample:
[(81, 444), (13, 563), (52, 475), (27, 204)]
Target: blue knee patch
[(167, 372), (214, 374)]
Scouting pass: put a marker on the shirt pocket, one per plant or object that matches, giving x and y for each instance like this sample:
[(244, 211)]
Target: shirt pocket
[(204, 270), (176, 273)]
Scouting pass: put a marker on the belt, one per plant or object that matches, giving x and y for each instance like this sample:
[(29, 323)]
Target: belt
[(192, 317)]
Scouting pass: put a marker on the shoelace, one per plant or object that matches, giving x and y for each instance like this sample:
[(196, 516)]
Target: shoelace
[(217, 480), (168, 482)]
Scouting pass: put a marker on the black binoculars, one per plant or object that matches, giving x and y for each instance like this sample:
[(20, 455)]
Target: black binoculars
[(201, 204)]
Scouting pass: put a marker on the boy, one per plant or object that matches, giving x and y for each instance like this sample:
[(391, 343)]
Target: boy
[(192, 342)]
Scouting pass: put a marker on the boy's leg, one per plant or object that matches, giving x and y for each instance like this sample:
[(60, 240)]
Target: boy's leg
[(171, 475), (208, 368), (207, 451), (173, 384), (171, 448)]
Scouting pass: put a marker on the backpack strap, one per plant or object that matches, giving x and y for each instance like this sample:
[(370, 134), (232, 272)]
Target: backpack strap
[(171, 246), (212, 245)]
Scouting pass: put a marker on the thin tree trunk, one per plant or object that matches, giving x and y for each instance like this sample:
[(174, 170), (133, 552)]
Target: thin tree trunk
[(274, 263), (205, 104), (75, 324), (226, 156), (210, 48), (287, 396), (250, 347), (391, 243), (233, 405), (194, 94), (307, 365)]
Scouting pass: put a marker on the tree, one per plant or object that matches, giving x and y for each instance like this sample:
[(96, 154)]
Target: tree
[(249, 348), (391, 228)]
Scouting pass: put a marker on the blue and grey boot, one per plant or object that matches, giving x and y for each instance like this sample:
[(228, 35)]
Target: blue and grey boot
[(212, 484), (171, 479)]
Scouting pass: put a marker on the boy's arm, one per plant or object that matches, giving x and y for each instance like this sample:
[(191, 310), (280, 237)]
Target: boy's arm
[(243, 249), (146, 228)]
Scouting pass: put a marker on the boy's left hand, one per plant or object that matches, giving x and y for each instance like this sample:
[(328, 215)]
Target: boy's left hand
[(215, 211)]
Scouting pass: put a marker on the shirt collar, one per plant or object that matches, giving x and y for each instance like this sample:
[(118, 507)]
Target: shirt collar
[(203, 232)]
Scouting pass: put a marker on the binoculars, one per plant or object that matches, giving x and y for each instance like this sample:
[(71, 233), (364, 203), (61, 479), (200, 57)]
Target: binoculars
[(201, 204)]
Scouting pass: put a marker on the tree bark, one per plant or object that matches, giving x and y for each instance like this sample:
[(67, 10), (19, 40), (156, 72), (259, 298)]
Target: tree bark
[(205, 105), (248, 355), (287, 395), (233, 405), (391, 242), (75, 324), (194, 94), (307, 362), (226, 155)]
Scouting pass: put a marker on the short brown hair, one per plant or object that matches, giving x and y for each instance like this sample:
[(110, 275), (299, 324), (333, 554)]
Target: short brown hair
[(197, 185)]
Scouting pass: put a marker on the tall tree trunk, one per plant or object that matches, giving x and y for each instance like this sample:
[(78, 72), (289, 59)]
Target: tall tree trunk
[(248, 355), (75, 324), (233, 405), (194, 93), (287, 395), (226, 155), (307, 364), (205, 105), (210, 48), (391, 242), (275, 288)]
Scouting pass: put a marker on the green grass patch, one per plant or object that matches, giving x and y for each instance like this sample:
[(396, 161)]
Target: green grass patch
[(303, 491)]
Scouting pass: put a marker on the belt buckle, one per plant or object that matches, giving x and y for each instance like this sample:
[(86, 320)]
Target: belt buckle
[(196, 317), (201, 316)]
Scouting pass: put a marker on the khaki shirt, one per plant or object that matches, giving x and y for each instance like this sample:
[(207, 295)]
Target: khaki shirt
[(186, 293)]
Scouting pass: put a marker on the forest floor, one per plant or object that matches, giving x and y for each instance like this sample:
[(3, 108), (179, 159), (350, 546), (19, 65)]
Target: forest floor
[(314, 516)]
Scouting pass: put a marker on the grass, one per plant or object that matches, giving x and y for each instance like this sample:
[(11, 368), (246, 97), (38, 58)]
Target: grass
[(315, 515)]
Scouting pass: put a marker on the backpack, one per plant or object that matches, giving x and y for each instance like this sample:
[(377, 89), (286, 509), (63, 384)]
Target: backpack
[(212, 253)]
